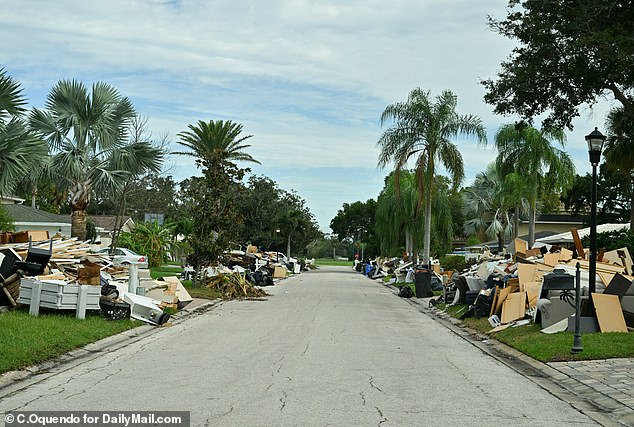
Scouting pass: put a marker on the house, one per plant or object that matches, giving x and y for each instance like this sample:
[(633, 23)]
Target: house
[(28, 218), (105, 226), (554, 223)]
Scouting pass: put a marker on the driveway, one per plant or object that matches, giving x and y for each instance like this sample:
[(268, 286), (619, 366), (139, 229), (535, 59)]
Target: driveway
[(328, 347)]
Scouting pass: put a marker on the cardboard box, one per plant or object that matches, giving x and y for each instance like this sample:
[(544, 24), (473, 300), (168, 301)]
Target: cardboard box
[(279, 272), (35, 235)]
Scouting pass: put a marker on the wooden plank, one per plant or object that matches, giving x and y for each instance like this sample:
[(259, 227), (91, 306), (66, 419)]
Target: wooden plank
[(578, 245), (601, 267), (609, 313)]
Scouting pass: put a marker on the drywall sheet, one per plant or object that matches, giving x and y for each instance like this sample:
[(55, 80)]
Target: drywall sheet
[(609, 313)]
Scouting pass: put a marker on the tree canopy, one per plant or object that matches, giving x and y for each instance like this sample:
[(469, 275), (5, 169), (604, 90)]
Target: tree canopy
[(570, 53)]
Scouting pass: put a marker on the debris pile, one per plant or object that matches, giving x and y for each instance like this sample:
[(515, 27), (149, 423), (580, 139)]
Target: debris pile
[(536, 285), (235, 286)]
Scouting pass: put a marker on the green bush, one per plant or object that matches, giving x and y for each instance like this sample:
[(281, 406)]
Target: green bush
[(453, 262), (612, 240)]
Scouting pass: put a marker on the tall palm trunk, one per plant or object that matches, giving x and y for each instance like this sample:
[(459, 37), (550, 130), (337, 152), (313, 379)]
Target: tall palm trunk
[(501, 242), (409, 243), (78, 224), (79, 195), (516, 222), (288, 246), (427, 231), (632, 203), (531, 223)]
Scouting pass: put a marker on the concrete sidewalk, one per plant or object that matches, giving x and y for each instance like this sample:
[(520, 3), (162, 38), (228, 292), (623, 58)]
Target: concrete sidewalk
[(601, 389)]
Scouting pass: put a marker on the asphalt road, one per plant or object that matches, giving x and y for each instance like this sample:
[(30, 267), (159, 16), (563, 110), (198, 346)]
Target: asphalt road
[(328, 347)]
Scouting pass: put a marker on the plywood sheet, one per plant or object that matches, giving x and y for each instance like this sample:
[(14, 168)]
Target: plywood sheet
[(514, 307), (619, 256), (532, 293), (502, 296), (526, 273), (606, 277), (551, 259), (565, 254), (609, 313), (521, 246)]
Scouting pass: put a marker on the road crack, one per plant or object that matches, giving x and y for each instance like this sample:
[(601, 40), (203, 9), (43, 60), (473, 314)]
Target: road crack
[(374, 386), (383, 417), (283, 401), (362, 398)]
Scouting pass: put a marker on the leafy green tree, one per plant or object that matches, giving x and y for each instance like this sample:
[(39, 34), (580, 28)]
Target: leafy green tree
[(421, 131), (356, 222), (399, 223), (530, 153), (150, 239), (6, 220), (613, 196), (20, 149), (569, 53), (87, 132), (216, 145), (619, 152)]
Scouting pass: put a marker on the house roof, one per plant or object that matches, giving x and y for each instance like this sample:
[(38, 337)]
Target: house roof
[(559, 218), (27, 214), (567, 237), (107, 221)]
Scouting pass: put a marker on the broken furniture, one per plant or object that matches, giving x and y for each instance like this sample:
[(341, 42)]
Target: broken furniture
[(57, 294)]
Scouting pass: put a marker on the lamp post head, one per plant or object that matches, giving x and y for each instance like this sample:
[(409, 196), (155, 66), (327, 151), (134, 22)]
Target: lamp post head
[(595, 142)]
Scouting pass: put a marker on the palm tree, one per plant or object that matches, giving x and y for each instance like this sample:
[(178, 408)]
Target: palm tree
[(488, 204), (422, 130), (530, 153), (20, 149), (214, 142), (87, 133), (397, 216), (618, 148)]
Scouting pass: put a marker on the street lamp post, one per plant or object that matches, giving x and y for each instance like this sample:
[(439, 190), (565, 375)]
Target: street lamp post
[(595, 142)]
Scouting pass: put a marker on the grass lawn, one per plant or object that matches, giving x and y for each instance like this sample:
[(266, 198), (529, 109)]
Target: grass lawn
[(554, 347), (161, 271), (27, 340), (335, 262)]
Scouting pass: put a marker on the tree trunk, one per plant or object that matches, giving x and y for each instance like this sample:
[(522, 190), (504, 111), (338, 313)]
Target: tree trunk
[(288, 246), (78, 224), (516, 222), (531, 224), (33, 196), (632, 205), (500, 242), (409, 243), (427, 231)]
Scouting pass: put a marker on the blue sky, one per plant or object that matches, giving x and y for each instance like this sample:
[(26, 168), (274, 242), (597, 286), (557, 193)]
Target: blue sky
[(308, 79)]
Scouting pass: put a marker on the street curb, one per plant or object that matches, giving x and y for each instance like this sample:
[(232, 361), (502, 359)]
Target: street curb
[(13, 381), (599, 407)]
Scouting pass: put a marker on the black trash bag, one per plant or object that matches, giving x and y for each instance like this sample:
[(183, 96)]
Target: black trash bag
[(406, 292)]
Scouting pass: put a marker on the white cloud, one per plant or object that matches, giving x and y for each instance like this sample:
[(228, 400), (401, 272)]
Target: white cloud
[(308, 79)]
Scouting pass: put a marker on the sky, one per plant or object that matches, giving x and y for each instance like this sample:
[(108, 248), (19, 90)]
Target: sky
[(308, 79)]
